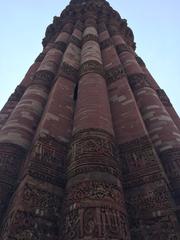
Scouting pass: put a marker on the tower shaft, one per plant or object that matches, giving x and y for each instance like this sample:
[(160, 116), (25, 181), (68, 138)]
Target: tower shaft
[(89, 143)]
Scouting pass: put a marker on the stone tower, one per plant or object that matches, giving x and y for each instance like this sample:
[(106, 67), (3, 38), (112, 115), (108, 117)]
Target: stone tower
[(89, 143)]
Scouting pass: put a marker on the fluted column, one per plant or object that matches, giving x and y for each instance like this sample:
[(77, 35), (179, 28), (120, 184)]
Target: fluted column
[(161, 128), (18, 93), (94, 203), (160, 92), (144, 180), (39, 196), (40, 192), (17, 134)]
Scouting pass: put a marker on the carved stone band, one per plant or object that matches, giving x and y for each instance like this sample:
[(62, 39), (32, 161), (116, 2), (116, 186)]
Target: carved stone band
[(171, 162), (91, 67), (43, 77), (94, 222), (114, 74), (11, 156), (138, 81), (92, 151), (69, 72), (46, 162), (140, 164)]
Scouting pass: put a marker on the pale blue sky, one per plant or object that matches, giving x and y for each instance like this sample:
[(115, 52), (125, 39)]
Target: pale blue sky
[(155, 25)]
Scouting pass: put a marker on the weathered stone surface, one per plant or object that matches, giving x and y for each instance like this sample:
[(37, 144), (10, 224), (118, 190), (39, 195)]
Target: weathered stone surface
[(98, 199), (89, 143)]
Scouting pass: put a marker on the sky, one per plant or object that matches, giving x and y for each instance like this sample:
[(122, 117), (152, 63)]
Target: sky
[(155, 25)]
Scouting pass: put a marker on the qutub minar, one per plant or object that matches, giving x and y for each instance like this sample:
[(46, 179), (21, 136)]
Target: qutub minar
[(89, 143)]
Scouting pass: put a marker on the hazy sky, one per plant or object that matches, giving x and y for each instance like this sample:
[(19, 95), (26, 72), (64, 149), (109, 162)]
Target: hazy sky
[(155, 25)]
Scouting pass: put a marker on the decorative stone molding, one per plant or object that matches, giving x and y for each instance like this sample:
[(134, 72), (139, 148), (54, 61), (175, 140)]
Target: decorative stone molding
[(46, 162), (136, 156), (11, 157), (92, 150), (114, 74), (43, 78), (138, 81), (69, 71), (171, 161), (91, 67)]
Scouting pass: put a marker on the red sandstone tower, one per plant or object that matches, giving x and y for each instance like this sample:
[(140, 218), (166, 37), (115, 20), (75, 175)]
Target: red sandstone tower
[(89, 143)]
